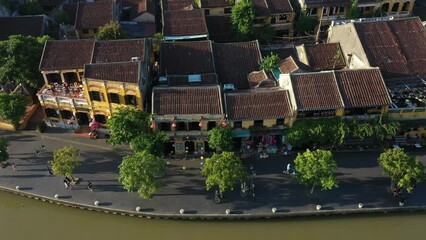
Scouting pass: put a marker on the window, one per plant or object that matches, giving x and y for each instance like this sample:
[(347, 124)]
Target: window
[(194, 126), (333, 11), (165, 126), (238, 124), (325, 11), (342, 10), (395, 7), (280, 121), (114, 98), (51, 112), (385, 7), (228, 10), (206, 12), (405, 7), (130, 100), (101, 118), (283, 17), (65, 114), (211, 125), (95, 96), (313, 11), (258, 123), (85, 31), (180, 126)]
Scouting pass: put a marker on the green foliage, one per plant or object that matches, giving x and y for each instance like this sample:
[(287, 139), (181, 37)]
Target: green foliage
[(379, 13), (403, 170), (221, 139), (20, 60), (152, 142), (3, 149), (61, 17), (32, 7), (316, 168), (223, 170), (110, 31), (264, 34), (375, 128), (363, 130), (269, 62), (242, 18), (305, 23), (159, 36), (64, 161), (13, 107), (353, 12), (138, 172), (127, 124)]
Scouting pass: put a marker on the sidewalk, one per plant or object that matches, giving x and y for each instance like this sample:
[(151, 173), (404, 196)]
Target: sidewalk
[(361, 180)]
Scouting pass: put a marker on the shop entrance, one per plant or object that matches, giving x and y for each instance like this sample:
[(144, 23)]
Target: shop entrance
[(190, 147), (82, 118)]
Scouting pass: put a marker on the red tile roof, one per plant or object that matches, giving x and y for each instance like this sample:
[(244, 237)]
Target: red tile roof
[(92, 15), (66, 55), (187, 100), (290, 65), (173, 5), (206, 79), (326, 3), (234, 61), (220, 28), (316, 91), (215, 3), (22, 25), (118, 50), (258, 104), (362, 88), (279, 6), (325, 56), (256, 77), (184, 58), (260, 7), (397, 47), (184, 23), (128, 72)]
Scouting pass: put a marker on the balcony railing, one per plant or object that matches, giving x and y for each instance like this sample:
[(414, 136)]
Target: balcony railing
[(59, 90)]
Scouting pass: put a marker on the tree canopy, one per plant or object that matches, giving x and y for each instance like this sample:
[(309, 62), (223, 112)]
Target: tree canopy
[(3, 149), (221, 139), (305, 23), (65, 161), (316, 168), (127, 124), (31, 7), (353, 12), (223, 170), (269, 62), (110, 31), (405, 171), (138, 172), (242, 18), (13, 107), (20, 60), (152, 142)]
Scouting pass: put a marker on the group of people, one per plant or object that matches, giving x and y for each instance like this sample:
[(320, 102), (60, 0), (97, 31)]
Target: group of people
[(396, 191), (68, 185)]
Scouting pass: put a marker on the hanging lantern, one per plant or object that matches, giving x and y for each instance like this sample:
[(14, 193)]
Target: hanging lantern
[(174, 125), (224, 124), (201, 124), (152, 126)]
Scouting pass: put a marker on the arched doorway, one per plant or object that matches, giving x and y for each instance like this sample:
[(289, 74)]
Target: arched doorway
[(395, 7), (169, 148), (206, 147), (385, 7), (190, 147), (406, 7)]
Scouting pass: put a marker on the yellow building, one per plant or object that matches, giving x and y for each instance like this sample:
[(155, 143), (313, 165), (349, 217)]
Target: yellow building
[(278, 13)]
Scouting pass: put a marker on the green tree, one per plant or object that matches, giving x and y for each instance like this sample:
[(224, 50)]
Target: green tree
[(65, 161), (3, 149), (110, 31), (32, 7), (305, 23), (269, 62), (139, 172), (242, 18), (127, 124), (152, 142), (223, 170), (20, 60), (364, 130), (353, 12), (221, 139), (316, 168), (61, 17), (13, 107), (405, 171)]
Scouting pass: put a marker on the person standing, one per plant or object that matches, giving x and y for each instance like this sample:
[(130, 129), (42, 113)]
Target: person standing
[(90, 186), (14, 167), (67, 184)]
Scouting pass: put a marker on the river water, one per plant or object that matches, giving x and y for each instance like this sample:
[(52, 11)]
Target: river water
[(23, 218)]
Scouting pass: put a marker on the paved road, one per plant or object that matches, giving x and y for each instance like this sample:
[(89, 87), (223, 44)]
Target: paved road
[(361, 180)]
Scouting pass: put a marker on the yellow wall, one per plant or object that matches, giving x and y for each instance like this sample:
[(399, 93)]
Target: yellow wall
[(81, 35), (269, 122), (340, 112), (217, 11), (247, 124), (407, 113)]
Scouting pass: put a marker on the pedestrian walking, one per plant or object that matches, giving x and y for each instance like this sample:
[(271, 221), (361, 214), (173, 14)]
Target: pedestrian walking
[(90, 186), (67, 184), (14, 167), (49, 170)]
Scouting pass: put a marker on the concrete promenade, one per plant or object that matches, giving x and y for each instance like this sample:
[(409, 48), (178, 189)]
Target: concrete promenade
[(361, 181)]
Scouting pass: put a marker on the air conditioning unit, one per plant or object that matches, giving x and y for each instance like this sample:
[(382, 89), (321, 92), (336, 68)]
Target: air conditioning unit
[(194, 78), (228, 86), (135, 59)]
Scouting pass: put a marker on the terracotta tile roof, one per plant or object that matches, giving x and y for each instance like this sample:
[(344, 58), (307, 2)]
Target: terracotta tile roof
[(118, 50), (184, 23), (22, 25), (325, 56), (261, 8), (279, 6), (326, 3), (362, 88), (173, 5), (290, 65), (220, 28), (94, 14), (256, 77), (214, 3), (206, 79), (66, 54), (316, 91), (128, 72), (255, 104), (184, 58), (234, 61), (397, 47), (187, 100), (282, 53)]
